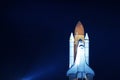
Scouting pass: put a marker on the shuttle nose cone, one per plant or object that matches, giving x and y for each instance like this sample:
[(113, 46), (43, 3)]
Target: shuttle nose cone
[(80, 42)]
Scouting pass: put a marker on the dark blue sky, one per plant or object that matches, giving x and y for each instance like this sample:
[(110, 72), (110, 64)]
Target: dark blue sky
[(35, 35)]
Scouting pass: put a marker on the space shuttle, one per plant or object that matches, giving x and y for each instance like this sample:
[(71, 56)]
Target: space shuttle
[(79, 55)]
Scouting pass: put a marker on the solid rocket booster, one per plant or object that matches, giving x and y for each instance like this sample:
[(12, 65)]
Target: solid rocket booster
[(87, 48), (79, 55), (71, 50)]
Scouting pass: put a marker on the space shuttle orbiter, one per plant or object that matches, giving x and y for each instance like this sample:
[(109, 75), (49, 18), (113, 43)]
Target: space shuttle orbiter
[(79, 55)]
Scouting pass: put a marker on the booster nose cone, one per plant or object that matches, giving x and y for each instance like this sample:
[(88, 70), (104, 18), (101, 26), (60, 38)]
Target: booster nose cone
[(71, 37), (86, 36)]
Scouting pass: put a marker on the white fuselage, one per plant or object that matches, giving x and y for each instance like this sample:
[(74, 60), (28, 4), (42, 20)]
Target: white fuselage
[(80, 57)]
